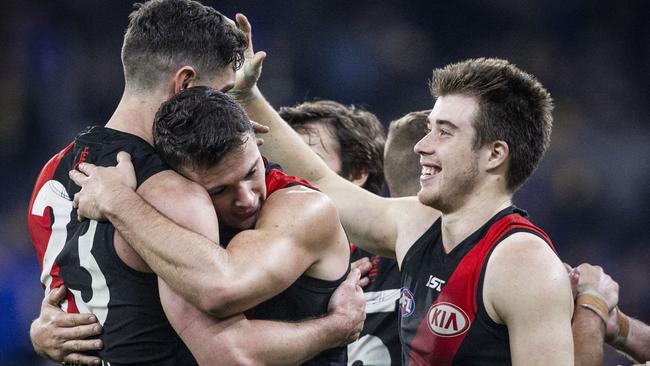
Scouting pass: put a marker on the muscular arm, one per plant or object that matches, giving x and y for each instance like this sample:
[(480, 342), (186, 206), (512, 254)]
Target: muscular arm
[(380, 225), (527, 289), (296, 228), (637, 344), (239, 341), (383, 226), (588, 336), (298, 231)]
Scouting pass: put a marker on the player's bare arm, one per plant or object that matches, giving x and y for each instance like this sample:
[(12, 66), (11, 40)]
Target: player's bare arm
[(300, 341), (296, 229), (526, 288), (383, 226), (298, 232), (239, 341)]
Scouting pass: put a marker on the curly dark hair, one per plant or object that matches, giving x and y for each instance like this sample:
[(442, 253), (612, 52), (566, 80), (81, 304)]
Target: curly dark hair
[(513, 107), (197, 127), (359, 133), (164, 35)]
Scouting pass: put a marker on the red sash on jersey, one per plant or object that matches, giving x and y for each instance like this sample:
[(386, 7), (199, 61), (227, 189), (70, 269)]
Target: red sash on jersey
[(445, 326), (276, 179), (40, 226)]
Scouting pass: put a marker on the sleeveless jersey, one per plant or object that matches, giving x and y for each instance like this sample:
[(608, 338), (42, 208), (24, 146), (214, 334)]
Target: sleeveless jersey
[(379, 342), (307, 297), (443, 320), (82, 256)]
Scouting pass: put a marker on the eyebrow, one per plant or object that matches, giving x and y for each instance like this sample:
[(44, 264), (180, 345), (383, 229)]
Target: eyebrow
[(248, 172), (444, 122)]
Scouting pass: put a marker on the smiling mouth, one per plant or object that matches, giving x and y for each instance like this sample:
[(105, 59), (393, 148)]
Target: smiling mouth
[(430, 170)]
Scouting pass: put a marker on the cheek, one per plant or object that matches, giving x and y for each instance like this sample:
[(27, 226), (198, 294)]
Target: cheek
[(221, 205)]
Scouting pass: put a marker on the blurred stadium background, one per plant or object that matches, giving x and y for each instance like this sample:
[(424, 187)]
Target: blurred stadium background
[(61, 71)]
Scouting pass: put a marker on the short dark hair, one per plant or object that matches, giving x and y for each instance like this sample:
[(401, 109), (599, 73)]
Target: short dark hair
[(359, 133), (401, 164), (513, 107), (164, 35), (197, 127)]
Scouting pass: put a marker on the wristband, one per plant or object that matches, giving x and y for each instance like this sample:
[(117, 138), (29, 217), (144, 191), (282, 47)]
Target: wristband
[(594, 303), (623, 328)]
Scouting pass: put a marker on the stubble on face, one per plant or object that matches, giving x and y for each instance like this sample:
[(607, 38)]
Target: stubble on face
[(454, 185)]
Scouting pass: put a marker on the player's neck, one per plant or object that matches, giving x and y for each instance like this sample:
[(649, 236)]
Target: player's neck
[(135, 115), (477, 209)]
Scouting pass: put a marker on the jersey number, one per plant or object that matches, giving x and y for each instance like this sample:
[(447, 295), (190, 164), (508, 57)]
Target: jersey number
[(53, 194)]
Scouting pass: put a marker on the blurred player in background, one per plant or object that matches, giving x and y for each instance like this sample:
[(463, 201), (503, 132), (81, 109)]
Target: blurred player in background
[(401, 163)]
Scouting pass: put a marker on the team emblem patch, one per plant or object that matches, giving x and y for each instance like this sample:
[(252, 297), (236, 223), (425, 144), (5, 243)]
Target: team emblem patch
[(447, 320), (406, 302)]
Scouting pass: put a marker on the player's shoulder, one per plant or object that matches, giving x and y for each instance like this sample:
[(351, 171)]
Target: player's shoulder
[(171, 188), (524, 262), (302, 201)]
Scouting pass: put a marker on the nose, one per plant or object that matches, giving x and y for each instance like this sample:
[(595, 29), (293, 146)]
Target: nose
[(425, 146), (245, 197)]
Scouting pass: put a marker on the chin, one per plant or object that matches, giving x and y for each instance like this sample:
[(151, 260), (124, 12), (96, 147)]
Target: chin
[(432, 200)]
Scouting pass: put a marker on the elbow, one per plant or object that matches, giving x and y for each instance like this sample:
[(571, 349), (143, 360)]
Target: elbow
[(221, 301)]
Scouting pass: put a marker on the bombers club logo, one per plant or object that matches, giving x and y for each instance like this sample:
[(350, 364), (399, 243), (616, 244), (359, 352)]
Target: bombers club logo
[(447, 320), (406, 302)]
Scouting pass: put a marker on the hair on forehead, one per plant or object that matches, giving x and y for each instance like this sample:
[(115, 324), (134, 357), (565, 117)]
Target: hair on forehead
[(513, 107)]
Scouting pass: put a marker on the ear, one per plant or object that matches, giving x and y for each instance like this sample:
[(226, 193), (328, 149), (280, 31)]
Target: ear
[(183, 78), (499, 153), (359, 178)]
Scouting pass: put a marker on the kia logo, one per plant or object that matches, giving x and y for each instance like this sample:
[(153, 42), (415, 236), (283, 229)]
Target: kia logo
[(447, 320)]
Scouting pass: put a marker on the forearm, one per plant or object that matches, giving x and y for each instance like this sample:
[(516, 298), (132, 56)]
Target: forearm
[(187, 261), (278, 343), (282, 144), (588, 337), (637, 344)]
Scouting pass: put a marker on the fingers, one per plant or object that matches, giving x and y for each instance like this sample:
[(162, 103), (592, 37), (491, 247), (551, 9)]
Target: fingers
[(78, 358), (123, 157), (87, 168), (81, 333), (258, 60), (354, 275), (243, 23), (363, 265), (364, 281), (259, 128), (259, 141), (76, 320), (55, 296), (245, 26), (567, 267), (78, 177)]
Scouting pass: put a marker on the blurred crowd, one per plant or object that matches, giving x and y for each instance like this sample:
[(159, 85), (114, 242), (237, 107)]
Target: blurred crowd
[(62, 72)]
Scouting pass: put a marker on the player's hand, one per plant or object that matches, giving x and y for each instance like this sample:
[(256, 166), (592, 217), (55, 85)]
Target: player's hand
[(259, 129), (101, 186), (364, 266), (245, 87), (574, 276), (592, 278), (62, 337), (347, 307)]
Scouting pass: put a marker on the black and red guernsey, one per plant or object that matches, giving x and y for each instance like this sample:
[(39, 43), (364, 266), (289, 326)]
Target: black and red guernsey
[(307, 297), (82, 256), (443, 320)]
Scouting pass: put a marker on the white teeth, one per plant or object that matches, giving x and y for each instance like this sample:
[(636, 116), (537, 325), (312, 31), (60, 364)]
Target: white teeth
[(429, 170)]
